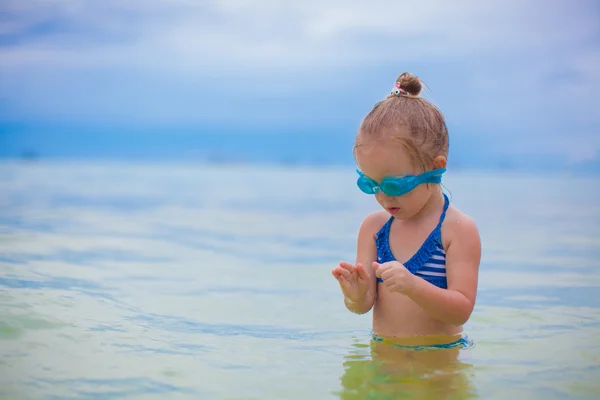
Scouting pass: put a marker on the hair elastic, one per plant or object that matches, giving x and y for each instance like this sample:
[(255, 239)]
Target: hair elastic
[(397, 90)]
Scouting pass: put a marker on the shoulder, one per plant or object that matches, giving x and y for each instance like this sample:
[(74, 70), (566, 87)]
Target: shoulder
[(373, 223), (459, 227)]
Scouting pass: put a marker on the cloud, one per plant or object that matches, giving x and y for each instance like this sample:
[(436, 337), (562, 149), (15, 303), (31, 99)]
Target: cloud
[(501, 68), (188, 35)]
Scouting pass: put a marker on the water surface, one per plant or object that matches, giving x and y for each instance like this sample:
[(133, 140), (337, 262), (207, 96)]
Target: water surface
[(190, 281)]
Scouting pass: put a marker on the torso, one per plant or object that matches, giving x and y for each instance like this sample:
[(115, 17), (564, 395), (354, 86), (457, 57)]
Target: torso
[(421, 249)]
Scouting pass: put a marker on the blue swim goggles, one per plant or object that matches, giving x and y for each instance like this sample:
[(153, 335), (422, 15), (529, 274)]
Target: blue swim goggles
[(397, 186)]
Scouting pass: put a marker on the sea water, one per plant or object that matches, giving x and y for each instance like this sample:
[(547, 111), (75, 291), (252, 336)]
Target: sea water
[(144, 281)]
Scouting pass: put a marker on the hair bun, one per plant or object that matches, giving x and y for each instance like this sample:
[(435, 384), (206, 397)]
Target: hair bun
[(410, 83)]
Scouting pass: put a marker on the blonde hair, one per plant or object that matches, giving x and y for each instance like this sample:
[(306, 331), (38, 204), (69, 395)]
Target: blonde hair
[(409, 119)]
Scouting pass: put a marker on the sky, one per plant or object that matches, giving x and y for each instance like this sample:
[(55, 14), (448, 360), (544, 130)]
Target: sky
[(516, 79)]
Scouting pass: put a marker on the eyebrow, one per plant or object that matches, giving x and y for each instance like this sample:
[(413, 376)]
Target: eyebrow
[(396, 176), (384, 177)]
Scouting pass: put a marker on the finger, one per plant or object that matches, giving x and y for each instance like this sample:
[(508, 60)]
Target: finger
[(348, 266), (377, 268), (362, 272), (344, 272), (342, 281), (387, 274), (381, 268), (385, 267), (387, 264)]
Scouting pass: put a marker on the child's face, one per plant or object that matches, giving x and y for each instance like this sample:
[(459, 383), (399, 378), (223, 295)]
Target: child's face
[(380, 160)]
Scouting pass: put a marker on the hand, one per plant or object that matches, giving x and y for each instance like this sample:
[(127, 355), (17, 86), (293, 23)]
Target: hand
[(395, 276), (354, 280)]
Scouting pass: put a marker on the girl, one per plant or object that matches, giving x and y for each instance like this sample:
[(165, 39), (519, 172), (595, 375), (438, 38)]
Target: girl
[(417, 259)]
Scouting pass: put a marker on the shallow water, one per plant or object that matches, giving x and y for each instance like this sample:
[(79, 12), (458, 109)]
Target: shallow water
[(187, 281)]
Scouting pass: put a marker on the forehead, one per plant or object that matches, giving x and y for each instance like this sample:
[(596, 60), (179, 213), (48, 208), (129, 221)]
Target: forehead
[(384, 159)]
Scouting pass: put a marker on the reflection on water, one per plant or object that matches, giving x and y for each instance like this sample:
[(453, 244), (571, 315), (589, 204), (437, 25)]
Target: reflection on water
[(383, 371), (148, 281)]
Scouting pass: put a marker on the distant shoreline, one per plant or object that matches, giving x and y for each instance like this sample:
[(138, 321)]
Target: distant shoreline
[(225, 163)]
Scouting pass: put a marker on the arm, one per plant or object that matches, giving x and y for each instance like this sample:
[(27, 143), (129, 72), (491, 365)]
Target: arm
[(366, 253), (455, 304)]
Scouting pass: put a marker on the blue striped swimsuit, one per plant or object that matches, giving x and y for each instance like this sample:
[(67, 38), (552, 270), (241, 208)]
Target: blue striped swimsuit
[(429, 262)]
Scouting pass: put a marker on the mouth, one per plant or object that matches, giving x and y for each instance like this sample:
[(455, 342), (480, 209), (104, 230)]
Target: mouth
[(393, 210)]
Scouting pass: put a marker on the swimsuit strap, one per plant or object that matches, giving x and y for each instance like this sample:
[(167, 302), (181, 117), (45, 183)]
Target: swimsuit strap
[(446, 205), (430, 244), (381, 241)]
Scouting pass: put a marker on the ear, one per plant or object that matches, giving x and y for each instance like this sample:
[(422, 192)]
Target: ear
[(439, 162)]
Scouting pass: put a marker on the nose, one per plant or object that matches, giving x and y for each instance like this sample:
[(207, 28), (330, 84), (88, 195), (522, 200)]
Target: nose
[(382, 197)]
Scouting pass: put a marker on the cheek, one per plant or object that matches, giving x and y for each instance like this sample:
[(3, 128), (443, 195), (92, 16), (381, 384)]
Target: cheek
[(381, 197), (417, 196), (413, 199)]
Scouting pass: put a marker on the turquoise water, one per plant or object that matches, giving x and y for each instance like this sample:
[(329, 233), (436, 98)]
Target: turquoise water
[(193, 282)]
